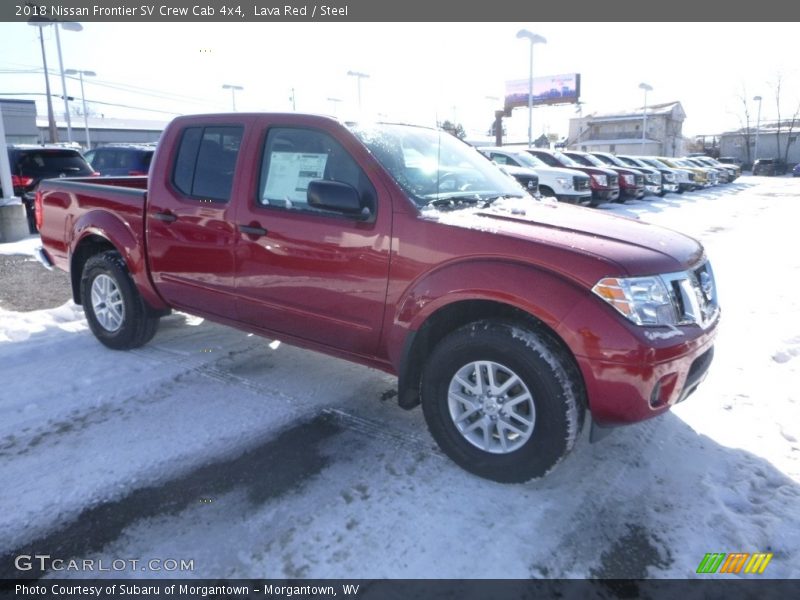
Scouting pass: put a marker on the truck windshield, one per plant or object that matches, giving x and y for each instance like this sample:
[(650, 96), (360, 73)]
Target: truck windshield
[(526, 160), (433, 165), (611, 160), (565, 160), (653, 162), (588, 160)]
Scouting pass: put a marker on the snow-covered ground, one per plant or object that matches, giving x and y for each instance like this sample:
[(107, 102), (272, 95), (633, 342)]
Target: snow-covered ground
[(256, 459)]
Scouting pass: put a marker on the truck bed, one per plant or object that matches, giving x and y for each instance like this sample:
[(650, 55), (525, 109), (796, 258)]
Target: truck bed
[(69, 203)]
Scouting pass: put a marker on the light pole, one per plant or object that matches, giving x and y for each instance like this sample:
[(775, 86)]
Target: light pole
[(359, 76), (233, 89), (334, 104), (69, 26), (646, 88), (81, 73), (758, 127), (533, 38), (51, 121)]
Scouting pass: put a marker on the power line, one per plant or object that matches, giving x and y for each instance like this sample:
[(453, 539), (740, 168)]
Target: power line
[(124, 87), (167, 112)]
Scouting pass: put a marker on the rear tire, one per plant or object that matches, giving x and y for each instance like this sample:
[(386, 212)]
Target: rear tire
[(117, 314), (502, 401)]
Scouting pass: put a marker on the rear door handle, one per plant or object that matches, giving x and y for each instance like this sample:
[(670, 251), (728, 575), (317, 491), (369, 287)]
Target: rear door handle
[(253, 230), (167, 217)]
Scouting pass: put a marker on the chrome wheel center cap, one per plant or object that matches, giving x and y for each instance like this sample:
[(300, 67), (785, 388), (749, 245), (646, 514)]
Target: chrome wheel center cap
[(490, 406)]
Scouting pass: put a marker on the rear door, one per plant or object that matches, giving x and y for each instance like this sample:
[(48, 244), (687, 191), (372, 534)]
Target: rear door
[(190, 230), (313, 274)]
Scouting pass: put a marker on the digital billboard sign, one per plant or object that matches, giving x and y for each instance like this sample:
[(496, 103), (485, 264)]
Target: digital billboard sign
[(553, 89)]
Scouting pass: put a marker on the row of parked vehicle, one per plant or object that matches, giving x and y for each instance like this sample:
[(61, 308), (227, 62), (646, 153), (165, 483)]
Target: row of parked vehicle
[(594, 178), (32, 163)]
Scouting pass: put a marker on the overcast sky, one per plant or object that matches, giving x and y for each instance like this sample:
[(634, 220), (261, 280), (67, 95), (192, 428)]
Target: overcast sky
[(418, 72)]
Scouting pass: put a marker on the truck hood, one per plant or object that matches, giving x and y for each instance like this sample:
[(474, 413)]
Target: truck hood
[(624, 246), (563, 171)]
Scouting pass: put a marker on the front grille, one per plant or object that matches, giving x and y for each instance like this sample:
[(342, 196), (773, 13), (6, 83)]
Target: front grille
[(694, 295), (669, 177), (639, 179), (613, 180), (580, 183)]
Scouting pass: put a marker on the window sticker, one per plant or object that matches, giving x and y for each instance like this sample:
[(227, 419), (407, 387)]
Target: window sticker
[(289, 175)]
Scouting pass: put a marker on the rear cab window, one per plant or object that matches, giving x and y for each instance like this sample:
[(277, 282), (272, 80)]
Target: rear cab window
[(206, 161)]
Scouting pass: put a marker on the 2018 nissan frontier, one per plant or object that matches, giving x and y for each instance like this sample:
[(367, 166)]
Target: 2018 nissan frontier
[(404, 249)]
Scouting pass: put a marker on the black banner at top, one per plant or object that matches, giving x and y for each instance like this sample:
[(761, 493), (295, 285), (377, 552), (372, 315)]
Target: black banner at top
[(331, 11)]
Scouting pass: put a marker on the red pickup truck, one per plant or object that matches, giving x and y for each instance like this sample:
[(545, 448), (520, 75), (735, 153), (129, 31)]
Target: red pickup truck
[(404, 249)]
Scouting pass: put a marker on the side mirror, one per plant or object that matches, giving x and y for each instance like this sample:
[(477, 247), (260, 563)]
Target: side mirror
[(335, 196)]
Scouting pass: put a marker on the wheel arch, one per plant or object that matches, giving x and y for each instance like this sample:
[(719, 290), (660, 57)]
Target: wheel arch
[(450, 317), (88, 246), (99, 232)]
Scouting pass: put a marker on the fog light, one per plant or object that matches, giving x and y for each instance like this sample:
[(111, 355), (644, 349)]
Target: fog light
[(663, 390)]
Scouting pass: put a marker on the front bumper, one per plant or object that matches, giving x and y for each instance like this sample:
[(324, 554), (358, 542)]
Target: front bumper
[(671, 187), (635, 373), (652, 189), (629, 193), (599, 196), (581, 199)]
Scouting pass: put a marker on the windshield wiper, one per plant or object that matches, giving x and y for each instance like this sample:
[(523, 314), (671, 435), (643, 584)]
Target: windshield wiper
[(461, 200)]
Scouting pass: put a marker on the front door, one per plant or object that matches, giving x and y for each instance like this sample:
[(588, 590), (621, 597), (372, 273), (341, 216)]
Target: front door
[(311, 273)]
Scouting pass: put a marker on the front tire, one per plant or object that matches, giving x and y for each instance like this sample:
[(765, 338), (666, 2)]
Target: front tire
[(117, 314), (503, 401)]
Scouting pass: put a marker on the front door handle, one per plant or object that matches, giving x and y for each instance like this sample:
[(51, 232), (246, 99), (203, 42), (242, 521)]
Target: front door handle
[(167, 217), (253, 230)]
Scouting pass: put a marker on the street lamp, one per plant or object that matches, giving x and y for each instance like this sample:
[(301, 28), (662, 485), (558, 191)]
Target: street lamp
[(758, 127), (334, 104), (51, 121), (359, 76), (81, 73), (69, 26), (233, 89), (646, 88), (533, 38)]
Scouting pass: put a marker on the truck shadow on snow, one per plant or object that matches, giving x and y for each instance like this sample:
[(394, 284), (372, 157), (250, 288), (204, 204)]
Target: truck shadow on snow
[(627, 507)]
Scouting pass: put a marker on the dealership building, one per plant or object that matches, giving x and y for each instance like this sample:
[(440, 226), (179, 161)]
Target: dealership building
[(734, 143), (621, 132), (24, 126)]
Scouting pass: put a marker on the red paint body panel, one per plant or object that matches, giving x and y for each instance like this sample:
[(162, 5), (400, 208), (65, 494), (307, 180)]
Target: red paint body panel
[(358, 288)]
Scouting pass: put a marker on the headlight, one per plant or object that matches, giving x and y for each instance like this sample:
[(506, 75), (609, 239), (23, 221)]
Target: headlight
[(629, 179), (643, 300), (682, 298), (600, 180), (564, 182)]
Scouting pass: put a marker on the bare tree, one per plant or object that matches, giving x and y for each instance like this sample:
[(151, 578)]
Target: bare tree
[(746, 130), (791, 123), (787, 125), (777, 87)]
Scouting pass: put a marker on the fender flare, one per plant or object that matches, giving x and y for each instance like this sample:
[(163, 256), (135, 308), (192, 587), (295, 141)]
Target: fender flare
[(118, 235), (434, 305)]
